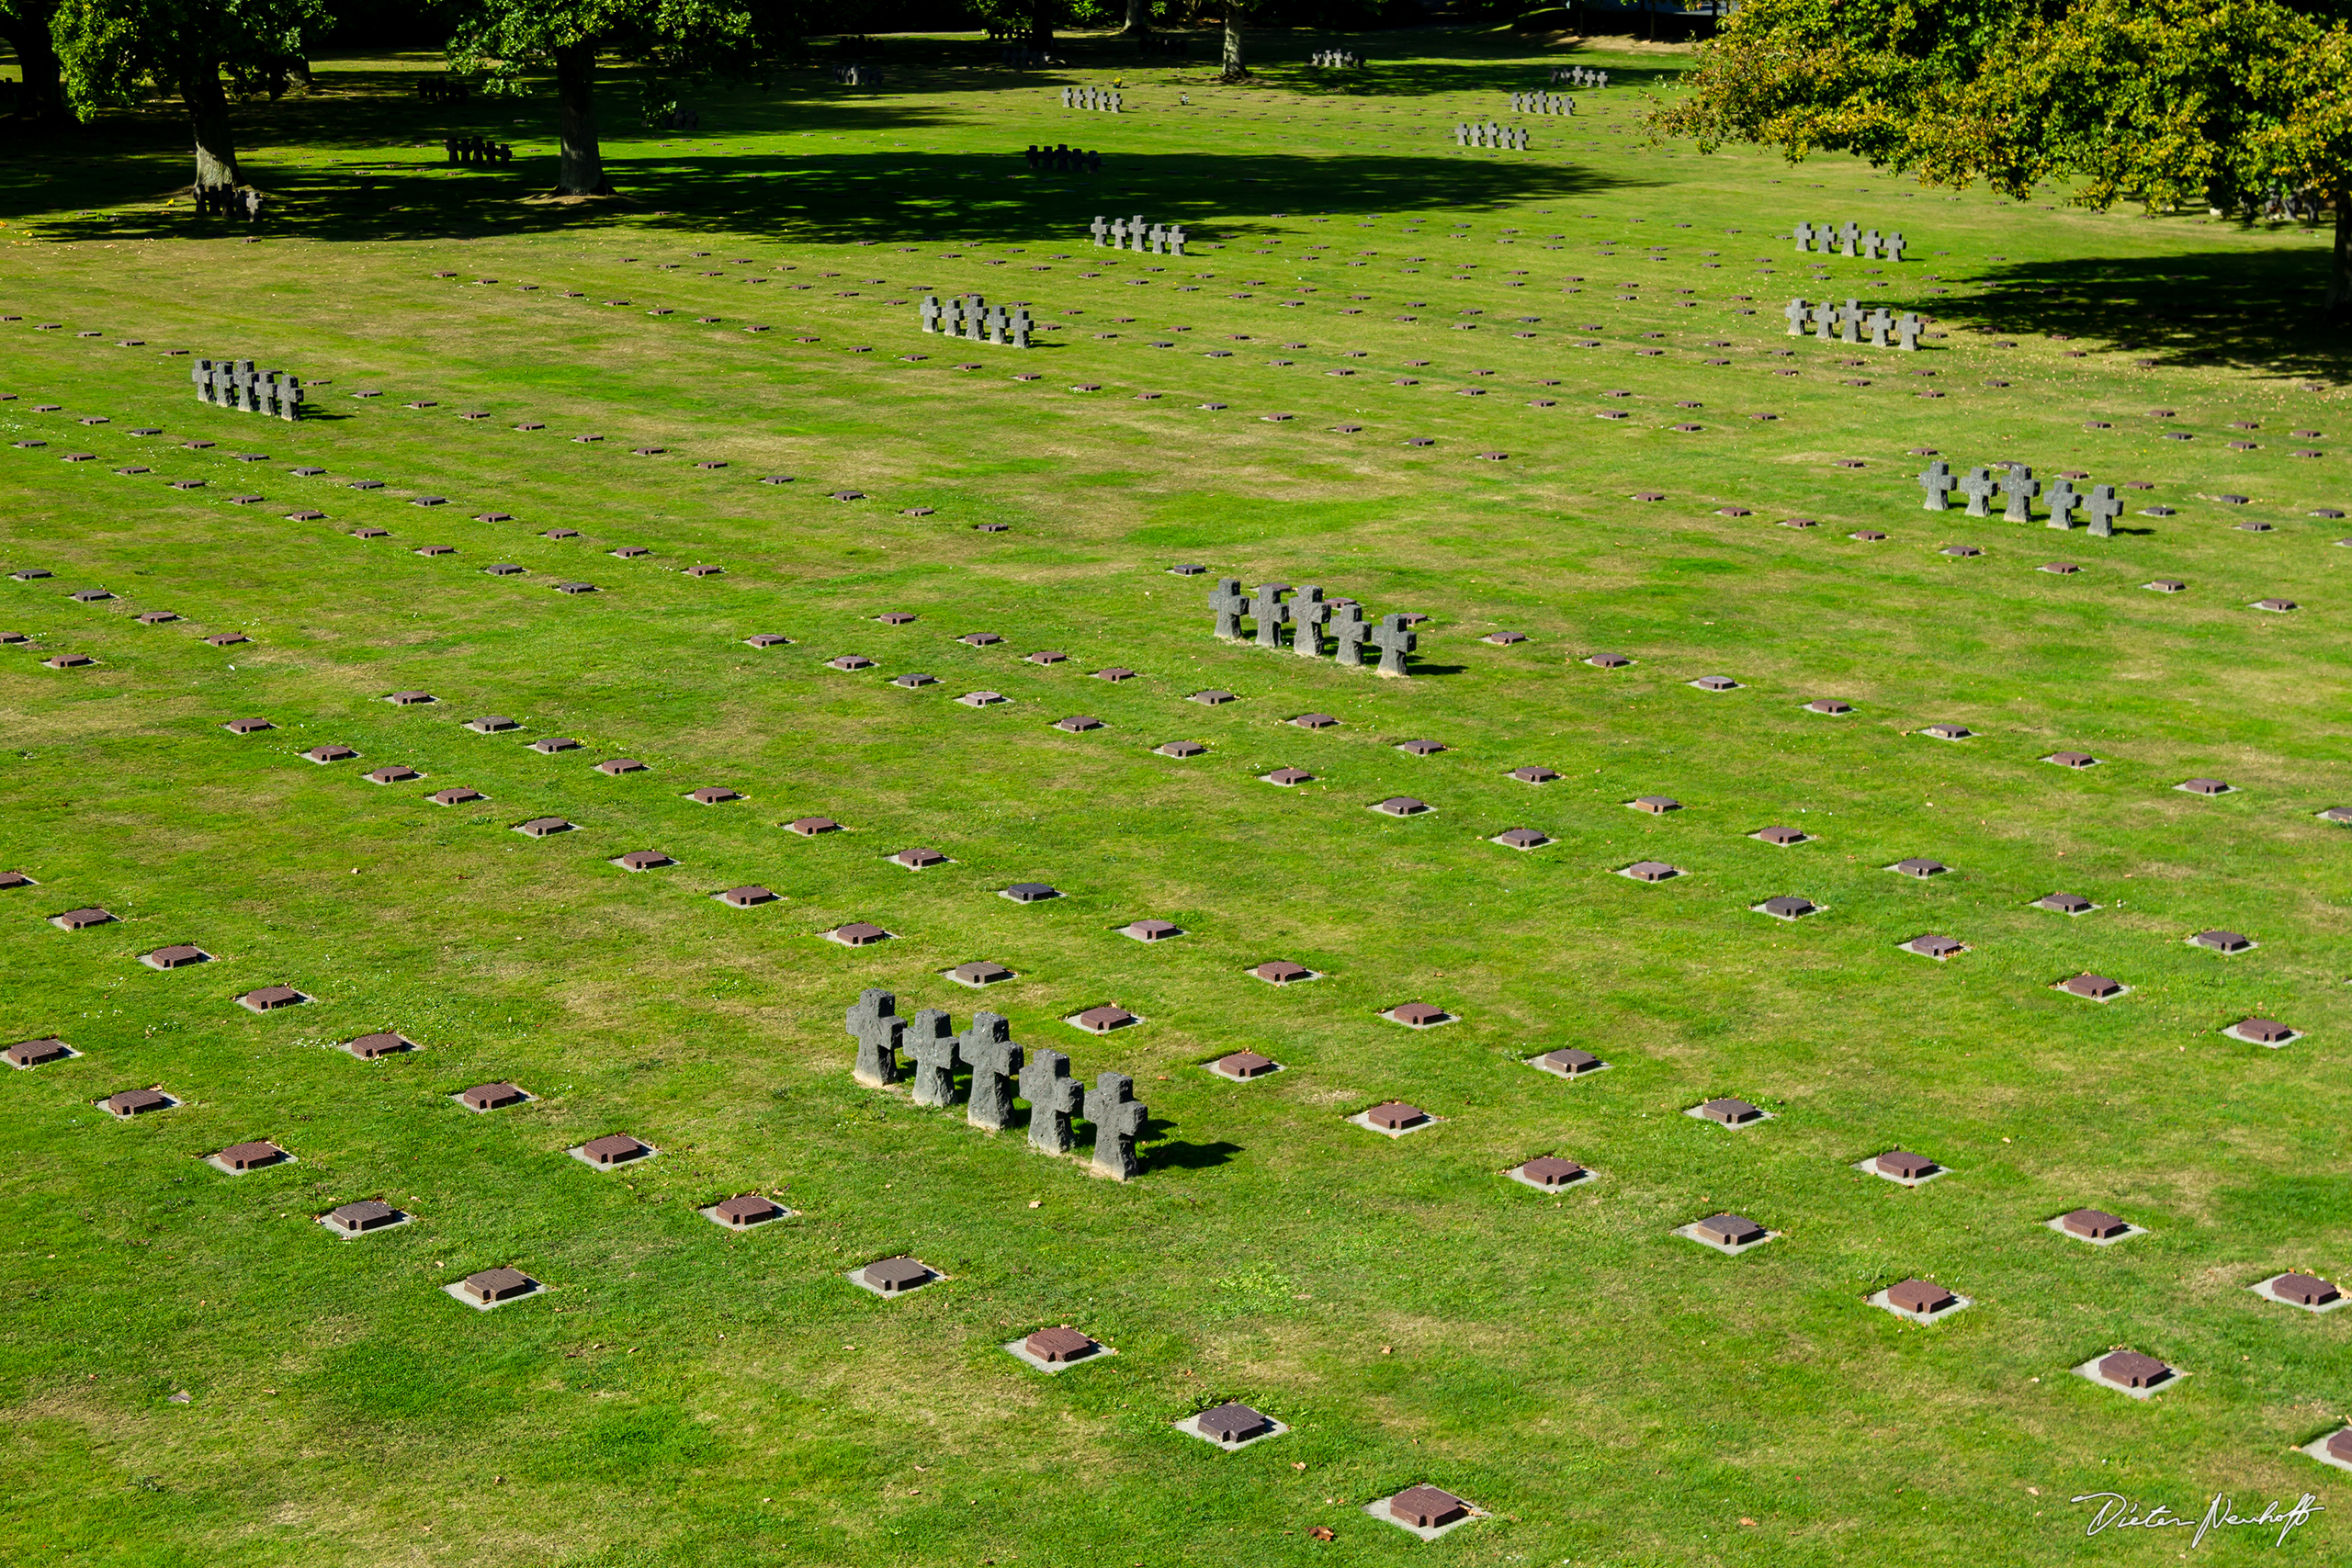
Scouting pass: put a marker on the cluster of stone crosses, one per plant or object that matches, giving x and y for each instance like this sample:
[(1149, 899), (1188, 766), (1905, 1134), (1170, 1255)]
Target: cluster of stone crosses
[(235, 384), (970, 317), (1134, 234), (1000, 1068), (1848, 239), (1064, 160), (2100, 506), (857, 74), (228, 201), (440, 90), (1542, 103), (477, 149), (1306, 612), (1579, 76), (1107, 99), (1833, 322), (1510, 137), (1335, 59)]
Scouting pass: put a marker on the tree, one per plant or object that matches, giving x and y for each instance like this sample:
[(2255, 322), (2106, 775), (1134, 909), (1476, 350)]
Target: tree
[(695, 39), (1138, 19), (110, 50), (1236, 16), (41, 96), (2167, 103)]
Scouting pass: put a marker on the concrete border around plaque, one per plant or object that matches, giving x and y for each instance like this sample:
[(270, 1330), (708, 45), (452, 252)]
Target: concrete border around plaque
[(857, 1277), (1960, 1303), (1698, 1113), (217, 1163), (36, 1067), (457, 1097), (710, 1212), (1019, 1350), (1536, 1062), (2317, 1449), (2089, 1372), (455, 1291), (1870, 1167), (1729, 1250), (650, 1153), (2058, 1223), (341, 1235), (1581, 1178), (2263, 1288), (2231, 1033), (1378, 1509), (1363, 1118), (1186, 1424)]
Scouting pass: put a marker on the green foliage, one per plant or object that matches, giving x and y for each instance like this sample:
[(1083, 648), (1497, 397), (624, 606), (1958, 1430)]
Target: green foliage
[(114, 49), (689, 38)]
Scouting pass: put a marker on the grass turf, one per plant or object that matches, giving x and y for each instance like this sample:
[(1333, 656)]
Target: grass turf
[(1610, 1393)]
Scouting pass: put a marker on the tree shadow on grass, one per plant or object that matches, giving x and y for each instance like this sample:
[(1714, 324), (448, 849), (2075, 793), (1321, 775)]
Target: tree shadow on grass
[(2257, 311), (1177, 1156)]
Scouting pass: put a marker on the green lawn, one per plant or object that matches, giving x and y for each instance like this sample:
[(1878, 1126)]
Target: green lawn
[(1609, 1392)]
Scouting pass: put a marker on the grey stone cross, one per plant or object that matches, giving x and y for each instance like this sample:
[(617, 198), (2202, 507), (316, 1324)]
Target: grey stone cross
[(930, 312), (1394, 639), (1020, 326), (201, 374), (1825, 320), (1230, 605), (1849, 319), (1978, 487), (989, 1050), (2103, 509), (1938, 482), (875, 1025), (1870, 244), (1269, 610), (1880, 319), (1118, 234), (1052, 1095), (1803, 235), (1796, 312), (1307, 614), (931, 1041), (1908, 329), (1894, 247), (1847, 234), (1350, 632), (2063, 501), (1118, 1118), (2021, 487)]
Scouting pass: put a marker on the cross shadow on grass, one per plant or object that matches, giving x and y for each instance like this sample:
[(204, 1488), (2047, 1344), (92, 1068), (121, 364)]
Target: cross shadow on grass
[(2259, 311)]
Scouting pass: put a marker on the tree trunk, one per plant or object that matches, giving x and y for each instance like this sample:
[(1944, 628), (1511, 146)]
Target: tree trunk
[(1040, 24), (43, 101), (1236, 70), (2339, 283), (1138, 19), (581, 169), (207, 113)]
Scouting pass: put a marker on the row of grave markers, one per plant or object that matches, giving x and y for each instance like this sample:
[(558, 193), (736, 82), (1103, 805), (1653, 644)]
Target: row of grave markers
[(1843, 323), (970, 317), (1542, 103), (2100, 506), (1306, 615), (857, 74), (1064, 160), (235, 384), (1103, 99), (1134, 234), (1510, 137), (1000, 1069), (477, 149), (1335, 59), (1579, 76), (1848, 239)]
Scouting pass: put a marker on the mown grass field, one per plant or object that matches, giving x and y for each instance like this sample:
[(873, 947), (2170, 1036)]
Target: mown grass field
[(1609, 1392)]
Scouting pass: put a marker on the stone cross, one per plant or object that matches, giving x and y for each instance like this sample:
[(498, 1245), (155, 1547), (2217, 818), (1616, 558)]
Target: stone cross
[(1461, 134), (996, 324), (1135, 232), (1052, 1095), (2103, 509), (1098, 229), (1804, 237), (201, 374), (1979, 487), (1350, 631), (1870, 244), (1020, 326), (930, 312), (1118, 1118), (1825, 320), (1894, 247), (1908, 327), (1938, 482), (1848, 234), (1880, 319), (2022, 487), (975, 315), (1307, 614), (875, 1025), (1850, 318), (1156, 238), (988, 1049), (1394, 639), (1270, 613), (931, 1040), (1118, 234), (2063, 501), (1176, 240), (1230, 605), (1796, 312)]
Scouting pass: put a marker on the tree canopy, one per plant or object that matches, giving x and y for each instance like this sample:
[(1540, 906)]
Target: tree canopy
[(2167, 103), (111, 51)]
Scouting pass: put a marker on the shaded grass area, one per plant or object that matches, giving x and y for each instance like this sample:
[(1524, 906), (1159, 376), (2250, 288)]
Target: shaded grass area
[(1609, 1392)]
